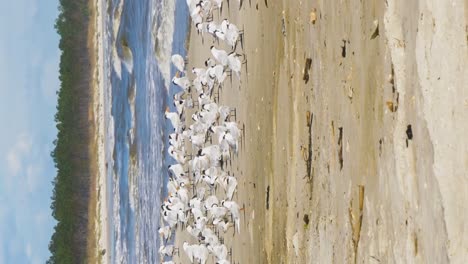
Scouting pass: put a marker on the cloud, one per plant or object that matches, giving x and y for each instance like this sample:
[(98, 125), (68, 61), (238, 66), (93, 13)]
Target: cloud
[(28, 250), (15, 156)]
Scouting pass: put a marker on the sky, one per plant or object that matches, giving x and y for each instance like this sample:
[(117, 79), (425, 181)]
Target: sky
[(29, 58)]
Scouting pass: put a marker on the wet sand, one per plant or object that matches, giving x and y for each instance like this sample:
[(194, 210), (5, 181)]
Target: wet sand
[(367, 160)]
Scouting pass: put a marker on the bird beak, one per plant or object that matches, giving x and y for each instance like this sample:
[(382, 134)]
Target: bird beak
[(177, 74)]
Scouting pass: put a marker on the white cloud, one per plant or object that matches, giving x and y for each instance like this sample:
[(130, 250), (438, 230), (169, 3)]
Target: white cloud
[(17, 153), (28, 250), (32, 172)]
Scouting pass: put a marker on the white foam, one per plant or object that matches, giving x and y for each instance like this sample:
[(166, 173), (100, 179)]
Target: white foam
[(163, 36)]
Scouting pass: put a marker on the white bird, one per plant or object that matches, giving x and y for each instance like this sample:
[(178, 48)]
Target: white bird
[(203, 99), (201, 222), (193, 231), (189, 250), (217, 72), (233, 207), (220, 251), (217, 212), (210, 201), (165, 232), (201, 253), (176, 155), (182, 82), (229, 185), (175, 120), (224, 113), (235, 64), (198, 140), (180, 106), (213, 152), (171, 218), (182, 193), (196, 203), (221, 223), (233, 129), (209, 180), (200, 163), (166, 251), (232, 35), (210, 237), (177, 170), (231, 141), (178, 62), (220, 56), (176, 140)]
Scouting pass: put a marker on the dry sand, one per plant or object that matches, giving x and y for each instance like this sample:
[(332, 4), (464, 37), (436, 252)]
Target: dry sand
[(98, 238), (362, 192)]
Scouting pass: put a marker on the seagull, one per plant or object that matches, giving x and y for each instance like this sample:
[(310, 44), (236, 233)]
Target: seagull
[(189, 250), (174, 118), (224, 113), (233, 207), (166, 251), (178, 62), (221, 223), (201, 253), (220, 56), (229, 185), (210, 201), (165, 232), (182, 82), (198, 140), (233, 129), (235, 64), (220, 251), (180, 106), (176, 170)]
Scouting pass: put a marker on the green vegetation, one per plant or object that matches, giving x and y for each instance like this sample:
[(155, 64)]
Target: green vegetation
[(71, 156)]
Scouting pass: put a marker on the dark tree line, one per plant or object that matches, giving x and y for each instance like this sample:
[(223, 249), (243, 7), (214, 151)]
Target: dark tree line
[(71, 192)]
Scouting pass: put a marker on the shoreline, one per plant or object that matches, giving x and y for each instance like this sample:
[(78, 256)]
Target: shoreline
[(371, 194), (98, 248)]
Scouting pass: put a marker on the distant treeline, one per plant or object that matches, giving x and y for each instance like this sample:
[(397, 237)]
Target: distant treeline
[(71, 156)]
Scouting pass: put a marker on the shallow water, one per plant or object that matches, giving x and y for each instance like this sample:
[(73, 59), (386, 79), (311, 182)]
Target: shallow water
[(139, 41)]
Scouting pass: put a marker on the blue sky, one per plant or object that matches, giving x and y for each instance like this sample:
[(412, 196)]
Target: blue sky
[(29, 58)]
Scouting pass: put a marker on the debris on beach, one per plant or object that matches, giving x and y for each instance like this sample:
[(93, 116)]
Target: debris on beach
[(308, 65), (376, 30), (340, 147), (409, 134), (283, 24), (313, 16), (343, 49), (268, 198)]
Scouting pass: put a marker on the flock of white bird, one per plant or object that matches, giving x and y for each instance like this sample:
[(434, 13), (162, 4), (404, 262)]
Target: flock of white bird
[(200, 190)]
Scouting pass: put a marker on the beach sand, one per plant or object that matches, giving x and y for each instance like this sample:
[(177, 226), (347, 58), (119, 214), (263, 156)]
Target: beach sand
[(367, 160), (98, 228)]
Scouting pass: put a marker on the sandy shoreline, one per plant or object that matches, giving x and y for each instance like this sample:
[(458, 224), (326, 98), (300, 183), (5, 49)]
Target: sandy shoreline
[(98, 251), (327, 169), (385, 178)]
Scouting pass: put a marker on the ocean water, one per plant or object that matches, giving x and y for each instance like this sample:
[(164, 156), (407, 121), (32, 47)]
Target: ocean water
[(140, 37)]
